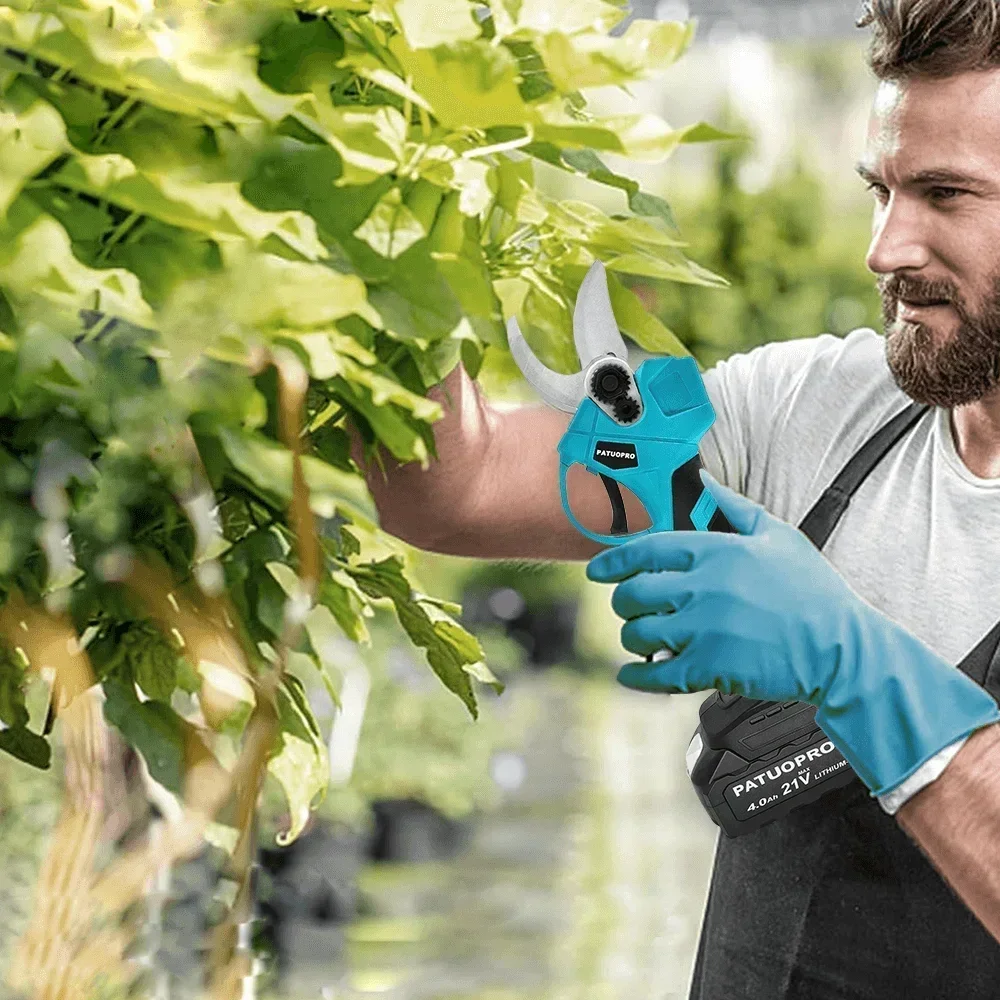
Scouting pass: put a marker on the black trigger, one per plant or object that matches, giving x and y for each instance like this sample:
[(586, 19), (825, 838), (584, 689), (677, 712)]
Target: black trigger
[(619, 521)]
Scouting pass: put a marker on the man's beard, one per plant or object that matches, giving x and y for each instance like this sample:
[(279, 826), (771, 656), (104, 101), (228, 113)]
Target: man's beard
[(961, 370)]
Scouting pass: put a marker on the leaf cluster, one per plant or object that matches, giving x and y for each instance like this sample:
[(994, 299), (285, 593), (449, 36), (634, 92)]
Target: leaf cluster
[(188, 190)]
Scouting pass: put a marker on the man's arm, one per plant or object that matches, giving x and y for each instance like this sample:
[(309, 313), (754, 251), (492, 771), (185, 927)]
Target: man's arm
[(955, 821), (493, 491)]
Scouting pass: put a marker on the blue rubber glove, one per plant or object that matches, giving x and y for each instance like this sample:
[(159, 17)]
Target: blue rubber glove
[(764, 614)]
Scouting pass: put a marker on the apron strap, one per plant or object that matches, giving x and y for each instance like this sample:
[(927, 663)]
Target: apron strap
[(982, 663), (819, 523)]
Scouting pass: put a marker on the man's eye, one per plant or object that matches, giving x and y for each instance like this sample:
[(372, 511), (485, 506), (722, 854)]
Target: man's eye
[(945, 193), (879, 190)]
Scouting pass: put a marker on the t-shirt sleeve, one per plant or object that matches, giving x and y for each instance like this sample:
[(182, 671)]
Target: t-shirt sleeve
[(749, 393), (788, 413)]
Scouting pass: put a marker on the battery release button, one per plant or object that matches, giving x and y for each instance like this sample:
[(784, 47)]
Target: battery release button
[(729, 764)]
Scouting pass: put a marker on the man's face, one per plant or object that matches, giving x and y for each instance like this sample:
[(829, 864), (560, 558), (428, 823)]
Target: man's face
[(932, 159)]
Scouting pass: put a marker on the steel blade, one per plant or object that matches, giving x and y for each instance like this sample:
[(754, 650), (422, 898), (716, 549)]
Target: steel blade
[(564, 392), (595, 330)]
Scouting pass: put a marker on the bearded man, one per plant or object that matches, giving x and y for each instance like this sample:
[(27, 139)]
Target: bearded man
[(888, 887)]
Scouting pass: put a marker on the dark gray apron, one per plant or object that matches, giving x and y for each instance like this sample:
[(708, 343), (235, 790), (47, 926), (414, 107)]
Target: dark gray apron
[(834, 901)]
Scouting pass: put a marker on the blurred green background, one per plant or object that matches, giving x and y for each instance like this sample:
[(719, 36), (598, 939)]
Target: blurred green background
[(553, 848)]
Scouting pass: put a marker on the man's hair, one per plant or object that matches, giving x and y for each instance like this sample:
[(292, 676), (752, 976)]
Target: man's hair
[(935, 38)]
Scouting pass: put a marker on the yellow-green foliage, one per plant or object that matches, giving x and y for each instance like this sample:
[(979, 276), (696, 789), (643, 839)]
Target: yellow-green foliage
[(186, 187)]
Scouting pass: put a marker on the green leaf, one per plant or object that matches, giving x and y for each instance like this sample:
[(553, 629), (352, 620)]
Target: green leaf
[(704, 132), (467, 84), (349, 541), (391, 228), (301, 765), (29, 141), (268, 466), (643, 203), (286, 578), (216, 208), (265, 291), (398, 430), (595, 59), (38, 266), (589, 164), (568, 16), (162, 257), (429, 23), (22, 743), (546, 310), (636, 136), (451, 650), (470, 280), (270, 602), (340, 594), (153, 728), (369, 66), (369, 140), (484, 675), (185, 68), (680, 269), (13, 712), (294, 56), (635, 322), (411, 297), (386, 390), (602, 234), (153, 661)]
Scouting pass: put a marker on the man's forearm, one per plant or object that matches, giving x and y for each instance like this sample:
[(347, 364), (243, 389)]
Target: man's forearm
[(493, 491), (956, 823), (423, 507)]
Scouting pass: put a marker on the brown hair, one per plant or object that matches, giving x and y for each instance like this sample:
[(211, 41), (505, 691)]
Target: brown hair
[(936, 38)]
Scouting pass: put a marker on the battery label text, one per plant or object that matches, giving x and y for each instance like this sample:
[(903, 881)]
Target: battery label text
[(785, 778)]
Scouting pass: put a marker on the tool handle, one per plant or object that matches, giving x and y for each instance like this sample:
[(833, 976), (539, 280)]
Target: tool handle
[(688, 493), (688, 488), (675, 500)]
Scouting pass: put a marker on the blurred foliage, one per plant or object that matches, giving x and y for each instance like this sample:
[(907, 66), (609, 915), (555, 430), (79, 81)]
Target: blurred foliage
[(29, 803), (416, 742), (833, 66), (230, 234), (548, 590), (796, 268), (197, 199), (538, 582)]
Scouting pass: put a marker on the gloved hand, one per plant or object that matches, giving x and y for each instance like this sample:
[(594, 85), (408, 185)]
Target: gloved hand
[(763, 614)]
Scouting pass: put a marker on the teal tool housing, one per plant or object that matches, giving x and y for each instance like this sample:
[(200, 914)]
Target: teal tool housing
[(656, 456)]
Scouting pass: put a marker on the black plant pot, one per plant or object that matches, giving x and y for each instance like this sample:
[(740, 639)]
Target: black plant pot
[(307, 892), (407, 830)]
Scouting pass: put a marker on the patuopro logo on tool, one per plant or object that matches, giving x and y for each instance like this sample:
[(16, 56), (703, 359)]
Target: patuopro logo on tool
[(616, 454)]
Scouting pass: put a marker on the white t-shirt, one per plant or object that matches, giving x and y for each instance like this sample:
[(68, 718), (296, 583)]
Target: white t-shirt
[(921, 538)]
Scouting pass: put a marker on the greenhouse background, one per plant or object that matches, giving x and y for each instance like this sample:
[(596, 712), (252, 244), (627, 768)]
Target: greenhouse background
[(555, 847)]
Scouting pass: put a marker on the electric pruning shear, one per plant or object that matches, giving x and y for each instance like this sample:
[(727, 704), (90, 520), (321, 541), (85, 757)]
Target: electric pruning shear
[(636, 429), (641, 430)]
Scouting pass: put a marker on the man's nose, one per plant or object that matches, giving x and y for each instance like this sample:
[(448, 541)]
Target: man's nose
[(898, 238)]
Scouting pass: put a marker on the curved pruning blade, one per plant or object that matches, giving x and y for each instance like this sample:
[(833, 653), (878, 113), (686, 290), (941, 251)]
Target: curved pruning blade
[(595, 330), (564, 392)]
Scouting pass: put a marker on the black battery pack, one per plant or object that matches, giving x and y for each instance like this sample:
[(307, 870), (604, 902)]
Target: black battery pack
[(752, 761)]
